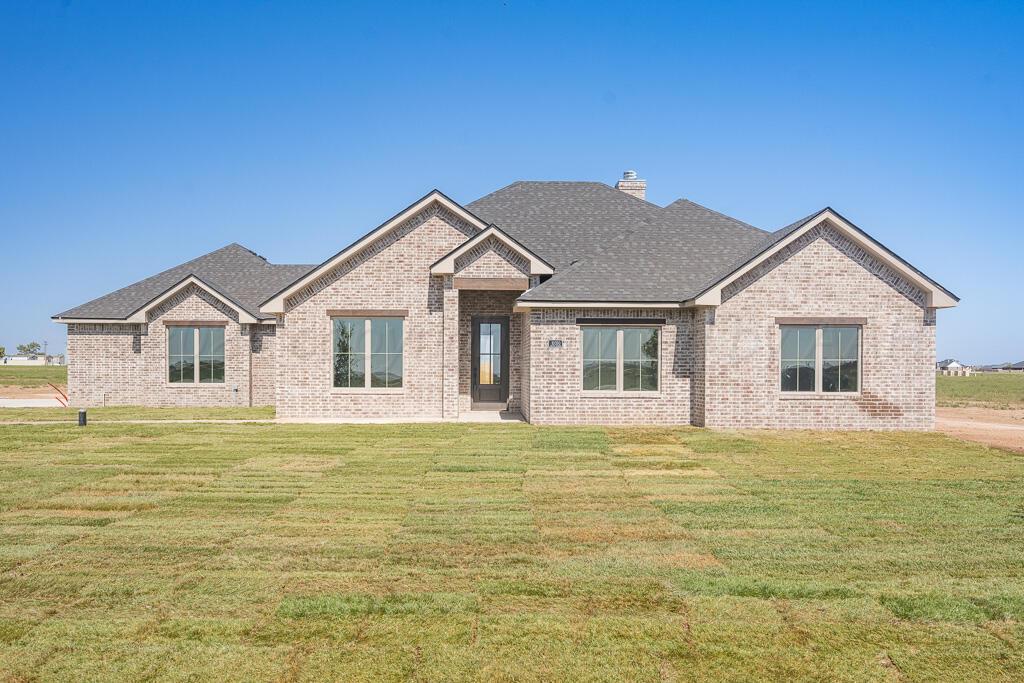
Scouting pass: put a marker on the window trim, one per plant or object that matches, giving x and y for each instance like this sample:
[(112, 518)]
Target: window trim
[(619, 392), (819, 324), (195, 325), (367, 361)]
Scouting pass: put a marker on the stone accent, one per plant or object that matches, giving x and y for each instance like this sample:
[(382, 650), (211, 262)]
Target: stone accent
[(126, 364), (556, 393), (392, 273), (475, 302), (822, 274)]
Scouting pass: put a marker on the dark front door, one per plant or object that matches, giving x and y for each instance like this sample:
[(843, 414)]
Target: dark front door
[(490, 359)]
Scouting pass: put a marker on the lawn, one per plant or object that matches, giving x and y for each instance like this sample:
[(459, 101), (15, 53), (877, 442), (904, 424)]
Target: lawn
[(32, 375), (505, 552), (991, 390)]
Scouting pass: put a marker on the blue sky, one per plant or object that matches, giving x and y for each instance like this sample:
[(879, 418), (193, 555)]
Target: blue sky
[(137, 135)]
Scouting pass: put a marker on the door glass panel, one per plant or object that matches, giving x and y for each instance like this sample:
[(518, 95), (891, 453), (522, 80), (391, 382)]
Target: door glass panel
[(490, 354)]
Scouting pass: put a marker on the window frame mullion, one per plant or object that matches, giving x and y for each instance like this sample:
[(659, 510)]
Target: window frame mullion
[(367, 331), (619, 355), (819, 338)]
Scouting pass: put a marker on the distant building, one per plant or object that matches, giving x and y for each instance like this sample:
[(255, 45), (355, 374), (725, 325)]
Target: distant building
[(951, 366), (1002, 367), (57, 359), (35, 359)]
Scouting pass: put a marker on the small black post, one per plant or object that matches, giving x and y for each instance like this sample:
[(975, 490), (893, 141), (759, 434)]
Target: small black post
[(81, 417)]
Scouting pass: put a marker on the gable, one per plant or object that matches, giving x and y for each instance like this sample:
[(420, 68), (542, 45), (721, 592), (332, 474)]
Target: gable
[(495, 241), (824, 270), (374, 242), (855, 242), (491, 258)]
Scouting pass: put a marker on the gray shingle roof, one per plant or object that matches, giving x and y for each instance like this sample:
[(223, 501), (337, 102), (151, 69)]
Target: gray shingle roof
[(604, 244), (564, 221), (666, 257), (234, 271)]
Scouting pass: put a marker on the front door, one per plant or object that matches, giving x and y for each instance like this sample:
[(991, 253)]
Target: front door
[(490, 359)]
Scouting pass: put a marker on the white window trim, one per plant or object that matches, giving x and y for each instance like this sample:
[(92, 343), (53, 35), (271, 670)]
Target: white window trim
[(619, 392), (367, 360), (195, 357), (818, 393)]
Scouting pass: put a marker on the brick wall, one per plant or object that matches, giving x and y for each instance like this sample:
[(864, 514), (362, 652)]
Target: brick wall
[(394, 273), (556, 395), (126, 364), (821, 274), (525, 373)]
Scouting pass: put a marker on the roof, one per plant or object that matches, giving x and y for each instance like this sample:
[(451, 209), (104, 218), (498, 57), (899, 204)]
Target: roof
[(947, 362), (239, 274), (564, 221), (604, 246), (680, 250)]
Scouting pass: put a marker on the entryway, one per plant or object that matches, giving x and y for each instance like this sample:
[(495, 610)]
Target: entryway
[(490, 375)]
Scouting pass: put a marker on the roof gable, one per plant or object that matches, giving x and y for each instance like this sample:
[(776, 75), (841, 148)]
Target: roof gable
[(448, 264), (936, 296), (276, 302), (235, 273)]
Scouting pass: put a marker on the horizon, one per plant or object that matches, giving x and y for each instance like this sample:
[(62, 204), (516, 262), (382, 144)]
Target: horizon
[(143, 137)]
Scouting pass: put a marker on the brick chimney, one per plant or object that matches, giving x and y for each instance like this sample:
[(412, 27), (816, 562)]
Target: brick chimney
[(630, 184)]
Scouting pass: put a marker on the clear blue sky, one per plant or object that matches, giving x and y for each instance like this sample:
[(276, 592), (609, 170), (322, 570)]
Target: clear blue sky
[(137, 135)]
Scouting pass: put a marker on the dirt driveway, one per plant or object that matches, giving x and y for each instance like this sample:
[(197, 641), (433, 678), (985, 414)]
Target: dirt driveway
[(1002, 428)]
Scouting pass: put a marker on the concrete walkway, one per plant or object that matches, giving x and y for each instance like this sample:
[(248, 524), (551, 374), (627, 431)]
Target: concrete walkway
[(30, 403), (481, 416)]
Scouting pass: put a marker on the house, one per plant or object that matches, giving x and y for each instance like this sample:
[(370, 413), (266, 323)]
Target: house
[(567, 302), (24, 359), (1002, 367), (951, 366)]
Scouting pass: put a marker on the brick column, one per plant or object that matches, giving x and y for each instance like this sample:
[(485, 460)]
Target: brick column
[(450, 346)]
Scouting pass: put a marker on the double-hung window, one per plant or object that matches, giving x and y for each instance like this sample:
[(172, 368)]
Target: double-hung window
[(620, 359), (195, 354), (820, 358), (367, 353)]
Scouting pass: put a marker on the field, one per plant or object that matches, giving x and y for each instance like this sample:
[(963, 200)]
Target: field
[(505, 552), (32, 375), (987, 390)]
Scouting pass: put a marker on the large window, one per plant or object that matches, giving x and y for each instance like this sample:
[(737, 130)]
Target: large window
[(367, 352), (195, 354), (620, 359), (820, 358)]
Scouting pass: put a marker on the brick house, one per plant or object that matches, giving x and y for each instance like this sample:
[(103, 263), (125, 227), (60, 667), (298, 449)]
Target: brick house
[(566, 302)]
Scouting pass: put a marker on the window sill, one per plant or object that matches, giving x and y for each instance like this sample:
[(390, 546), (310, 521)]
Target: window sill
[(193, 385), (620, 394), (818, 395), (365, 390)]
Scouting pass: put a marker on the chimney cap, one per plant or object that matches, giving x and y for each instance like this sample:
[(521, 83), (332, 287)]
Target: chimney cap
[(629, 175)]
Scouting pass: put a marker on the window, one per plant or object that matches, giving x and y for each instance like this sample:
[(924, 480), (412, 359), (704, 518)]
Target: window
[(192, 348), (620, 359), (367, 352), (820, 358)]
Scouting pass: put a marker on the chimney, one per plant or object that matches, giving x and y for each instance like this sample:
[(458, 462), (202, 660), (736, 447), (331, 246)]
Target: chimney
[(630, 184)]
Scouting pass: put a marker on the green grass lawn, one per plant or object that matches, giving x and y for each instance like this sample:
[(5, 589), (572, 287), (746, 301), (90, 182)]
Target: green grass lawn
[(994, 390), (32, 375), (505, 552)]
